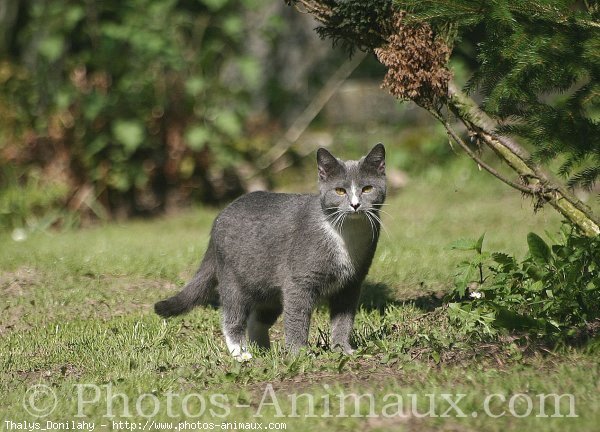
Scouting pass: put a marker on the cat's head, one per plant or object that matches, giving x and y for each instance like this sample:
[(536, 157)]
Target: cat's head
[(352, 187)]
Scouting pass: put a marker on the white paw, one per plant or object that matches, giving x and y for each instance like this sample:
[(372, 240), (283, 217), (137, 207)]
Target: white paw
[(243, 357)]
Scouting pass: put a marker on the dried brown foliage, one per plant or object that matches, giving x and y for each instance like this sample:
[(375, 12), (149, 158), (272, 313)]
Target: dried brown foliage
[(416, 61), (415, 56)]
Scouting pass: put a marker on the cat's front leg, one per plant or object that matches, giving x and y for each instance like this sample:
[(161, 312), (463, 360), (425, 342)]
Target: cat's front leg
[(298, 304), (342, 309)]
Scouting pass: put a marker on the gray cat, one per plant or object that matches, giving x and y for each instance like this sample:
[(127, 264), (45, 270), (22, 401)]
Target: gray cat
[(272, 252)]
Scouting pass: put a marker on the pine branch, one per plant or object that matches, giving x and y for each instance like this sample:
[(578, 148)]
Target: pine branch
[(520, 161), (528, 49)]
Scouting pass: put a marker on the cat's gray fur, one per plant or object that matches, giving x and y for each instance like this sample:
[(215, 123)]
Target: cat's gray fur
[(271, 253)]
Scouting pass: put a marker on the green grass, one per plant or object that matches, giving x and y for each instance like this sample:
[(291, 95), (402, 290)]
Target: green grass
[(77, 310)]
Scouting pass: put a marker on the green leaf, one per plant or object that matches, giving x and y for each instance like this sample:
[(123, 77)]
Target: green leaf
[(228, 123), (214, 5), (538, 248), (554, 323), (251, 71), (52, 47), (464, 245), (196, 137), (119, 180), (62, 99), (463, 280), (537, 286), (342, 363), (515, 321), (194, 85), (479, 244), (130, 133), (73, 15), (233, 26), (502, 258)]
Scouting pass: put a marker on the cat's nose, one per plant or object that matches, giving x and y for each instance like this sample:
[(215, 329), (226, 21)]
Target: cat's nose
[(355, 206)]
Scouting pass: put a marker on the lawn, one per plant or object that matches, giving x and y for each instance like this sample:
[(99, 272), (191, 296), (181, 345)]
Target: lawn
[(77, 321)]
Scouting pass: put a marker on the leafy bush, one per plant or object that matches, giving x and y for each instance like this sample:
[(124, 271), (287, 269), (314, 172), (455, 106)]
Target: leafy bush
[(553, 292), (125, 102), (26, 204)]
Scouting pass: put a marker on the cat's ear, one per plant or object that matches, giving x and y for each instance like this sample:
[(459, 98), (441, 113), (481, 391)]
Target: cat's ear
[(327, 164), (376, 159)]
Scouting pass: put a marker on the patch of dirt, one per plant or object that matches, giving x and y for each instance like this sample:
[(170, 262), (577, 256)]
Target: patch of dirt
[(358, 381), (12, 319), (19, 282), (91, 296), (411, 424), (16, 286), (321, 380), (123, 295), (55, 373)]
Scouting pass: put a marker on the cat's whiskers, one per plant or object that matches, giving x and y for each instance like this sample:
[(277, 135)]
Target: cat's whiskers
[(332, 217), (373, 226), (340, 223), (386, 213), (379, 209), (334, 214), (378, 219), (338, 219)]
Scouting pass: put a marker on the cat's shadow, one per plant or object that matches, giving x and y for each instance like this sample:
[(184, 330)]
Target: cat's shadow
[(378, 296)]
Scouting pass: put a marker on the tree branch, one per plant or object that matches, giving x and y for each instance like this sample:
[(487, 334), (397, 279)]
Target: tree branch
[(508, 150), (540, 184), (310, 112), (473, 155)]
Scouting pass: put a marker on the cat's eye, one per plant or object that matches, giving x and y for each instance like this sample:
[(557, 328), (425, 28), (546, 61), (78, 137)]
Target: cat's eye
[(367, 189), (340, 191)]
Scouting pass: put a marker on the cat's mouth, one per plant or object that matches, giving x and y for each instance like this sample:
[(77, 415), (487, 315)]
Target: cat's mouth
[(355, 214)]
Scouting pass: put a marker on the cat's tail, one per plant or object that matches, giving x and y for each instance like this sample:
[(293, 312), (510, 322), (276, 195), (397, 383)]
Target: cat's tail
[(198, 291)]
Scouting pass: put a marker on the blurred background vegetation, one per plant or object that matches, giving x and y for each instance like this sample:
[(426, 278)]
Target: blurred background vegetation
[(115, 109)]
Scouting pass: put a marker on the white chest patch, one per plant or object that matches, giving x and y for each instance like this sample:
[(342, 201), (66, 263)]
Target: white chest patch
[(348, 247), (341, 255)]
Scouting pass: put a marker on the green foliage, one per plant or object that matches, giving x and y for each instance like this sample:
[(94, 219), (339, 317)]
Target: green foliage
[(356, 23), (26, 204), (129, 97), (537, 65), (554, 292)]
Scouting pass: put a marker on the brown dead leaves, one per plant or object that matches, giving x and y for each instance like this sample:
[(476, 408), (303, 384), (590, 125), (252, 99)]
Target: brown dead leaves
[(416, 61)]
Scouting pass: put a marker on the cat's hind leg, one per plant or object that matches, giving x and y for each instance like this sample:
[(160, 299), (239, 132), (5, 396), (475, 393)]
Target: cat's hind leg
[(235, 317), (260, 321)]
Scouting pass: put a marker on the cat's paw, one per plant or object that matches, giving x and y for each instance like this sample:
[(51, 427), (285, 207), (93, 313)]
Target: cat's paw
[(243, 356), (344, 348)]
